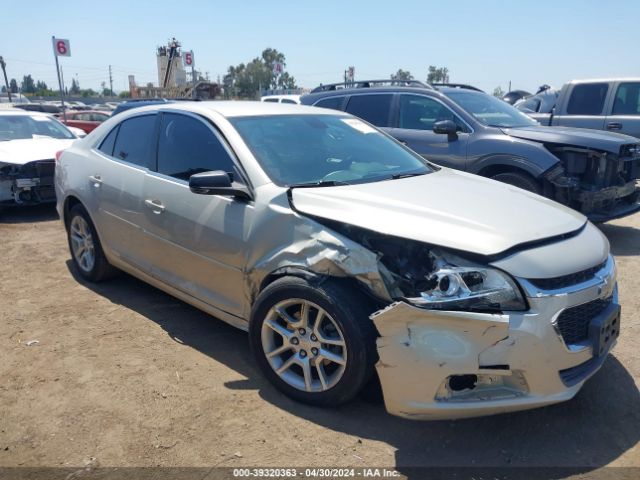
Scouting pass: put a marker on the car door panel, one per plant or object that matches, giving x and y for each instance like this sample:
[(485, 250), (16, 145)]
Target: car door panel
[(117, 185), (624, 116), (585, 107), (196, 241), (414, 128)]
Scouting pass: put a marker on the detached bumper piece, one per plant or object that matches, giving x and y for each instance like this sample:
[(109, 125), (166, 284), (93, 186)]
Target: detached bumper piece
[(28, 184), (438, 364)]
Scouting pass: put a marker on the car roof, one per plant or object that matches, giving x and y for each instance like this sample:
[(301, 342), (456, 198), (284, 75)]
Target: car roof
[(239, 108), (364, 90), (26, 113), (614, 79)]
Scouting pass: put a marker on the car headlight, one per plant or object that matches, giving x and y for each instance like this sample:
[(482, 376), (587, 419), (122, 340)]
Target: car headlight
[(460, 285)]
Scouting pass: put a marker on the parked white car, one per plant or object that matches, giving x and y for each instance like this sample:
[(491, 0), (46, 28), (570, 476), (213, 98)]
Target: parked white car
[(293, 99), (29, 142), (343, 252)]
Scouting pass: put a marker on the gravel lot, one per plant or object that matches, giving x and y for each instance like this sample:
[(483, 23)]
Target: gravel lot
[(130, 376)]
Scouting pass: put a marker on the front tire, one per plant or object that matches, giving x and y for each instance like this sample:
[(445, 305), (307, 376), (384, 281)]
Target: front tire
[(520, 180), (84, 245), (314, 342)]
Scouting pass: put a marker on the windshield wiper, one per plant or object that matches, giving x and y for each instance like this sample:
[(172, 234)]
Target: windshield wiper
[(322, 183), (396, 176)]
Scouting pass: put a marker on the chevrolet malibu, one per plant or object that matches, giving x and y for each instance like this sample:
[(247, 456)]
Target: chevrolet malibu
[(344, 255)]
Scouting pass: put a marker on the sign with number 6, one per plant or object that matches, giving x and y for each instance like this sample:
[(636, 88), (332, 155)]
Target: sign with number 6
[(61, 47)]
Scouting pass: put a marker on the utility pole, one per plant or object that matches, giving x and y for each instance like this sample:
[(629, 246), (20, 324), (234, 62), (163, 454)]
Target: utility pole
[(110, 82), (4, 71)]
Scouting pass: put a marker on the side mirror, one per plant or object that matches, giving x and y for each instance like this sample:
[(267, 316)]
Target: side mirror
[(446, 127), (216, 182)]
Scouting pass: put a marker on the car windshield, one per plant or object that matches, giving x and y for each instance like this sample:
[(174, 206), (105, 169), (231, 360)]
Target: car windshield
[(330, 149), (20, 127), (491, 110)]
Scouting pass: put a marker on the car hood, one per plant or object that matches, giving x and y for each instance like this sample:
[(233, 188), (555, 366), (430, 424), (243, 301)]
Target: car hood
[(447, 208), (582, 137), (19, 152)]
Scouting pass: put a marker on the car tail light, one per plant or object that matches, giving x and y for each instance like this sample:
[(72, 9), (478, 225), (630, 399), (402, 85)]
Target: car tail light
[(58, 154)]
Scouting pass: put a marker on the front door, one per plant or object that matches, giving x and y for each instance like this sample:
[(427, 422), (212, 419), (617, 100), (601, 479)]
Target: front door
[(416, 117), (196, 242)]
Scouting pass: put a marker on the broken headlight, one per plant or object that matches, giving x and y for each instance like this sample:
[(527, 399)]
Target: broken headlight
[(456, 284)]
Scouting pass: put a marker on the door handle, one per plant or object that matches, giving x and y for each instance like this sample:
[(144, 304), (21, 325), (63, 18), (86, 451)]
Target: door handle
[(155, 205), (614, 126), (96, 180)]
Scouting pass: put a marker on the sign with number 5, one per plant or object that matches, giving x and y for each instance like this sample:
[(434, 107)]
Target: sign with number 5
[(188, 59), (61, 47)]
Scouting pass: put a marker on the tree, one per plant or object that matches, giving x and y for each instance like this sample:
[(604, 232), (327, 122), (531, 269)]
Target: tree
[(75, 87), (498, 92), (438, 75), (402, 75), (4, 89), (13, 86), (246, 81), (124, 94), (28, 85)]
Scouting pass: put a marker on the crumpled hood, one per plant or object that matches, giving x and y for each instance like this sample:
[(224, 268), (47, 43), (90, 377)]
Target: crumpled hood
[(583, 137), (20, 152), (447, 208)]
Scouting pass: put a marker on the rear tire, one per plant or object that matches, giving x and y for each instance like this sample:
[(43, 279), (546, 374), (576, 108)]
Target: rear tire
[(84, 245), (314, 342), (520, 180)]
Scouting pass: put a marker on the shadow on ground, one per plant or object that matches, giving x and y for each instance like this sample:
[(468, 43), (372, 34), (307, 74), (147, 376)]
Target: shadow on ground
[(625, 241), (590, 431), (28, 214)]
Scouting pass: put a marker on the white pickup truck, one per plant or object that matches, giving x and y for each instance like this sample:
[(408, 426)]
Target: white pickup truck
[(603, 104)]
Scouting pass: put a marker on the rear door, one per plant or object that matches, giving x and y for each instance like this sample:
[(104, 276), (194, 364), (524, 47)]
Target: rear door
[(375, 108), (414, 127), (585, 106), (116, 182), (625, 110), (195, 243)]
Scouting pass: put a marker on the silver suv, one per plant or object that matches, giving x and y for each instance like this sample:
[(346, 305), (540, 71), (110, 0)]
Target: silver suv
[(344, 253)]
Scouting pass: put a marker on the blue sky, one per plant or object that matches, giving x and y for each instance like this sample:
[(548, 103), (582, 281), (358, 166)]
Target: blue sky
[(483, 42)]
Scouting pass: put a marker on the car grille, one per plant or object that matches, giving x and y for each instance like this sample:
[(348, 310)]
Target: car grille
[(567, 280), (573, 323)]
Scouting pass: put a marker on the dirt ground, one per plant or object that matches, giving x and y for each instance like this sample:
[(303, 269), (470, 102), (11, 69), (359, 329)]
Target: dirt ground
[(125, 375)]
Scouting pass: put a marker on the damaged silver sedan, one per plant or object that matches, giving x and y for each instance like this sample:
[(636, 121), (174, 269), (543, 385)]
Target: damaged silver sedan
[(345, 255)]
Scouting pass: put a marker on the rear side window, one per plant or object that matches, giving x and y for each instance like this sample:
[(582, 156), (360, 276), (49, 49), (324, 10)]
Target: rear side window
[(135, 140), (587, 99), (627, 100), (109, 141), (372, 108), (187, 146), (287, 100), (271, 100), (335, 103)]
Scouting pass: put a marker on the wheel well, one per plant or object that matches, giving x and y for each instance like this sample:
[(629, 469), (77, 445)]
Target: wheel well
[(493, 170), (69, 203), (317, 278)]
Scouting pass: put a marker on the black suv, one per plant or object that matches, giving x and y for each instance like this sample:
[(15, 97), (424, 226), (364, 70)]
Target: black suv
[(460, 127)]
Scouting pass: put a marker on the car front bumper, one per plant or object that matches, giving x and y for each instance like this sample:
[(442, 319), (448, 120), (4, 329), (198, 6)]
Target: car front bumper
[(28, 184), (519, 360)]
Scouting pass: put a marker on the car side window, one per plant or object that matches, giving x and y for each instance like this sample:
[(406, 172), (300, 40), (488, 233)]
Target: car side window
[(418, 112), (188, 146), (135, 140), (271, 100), (109, 141), (627, 100), (530, 105), (587, 99), (372, 108), (335, 103), (287, 100)]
